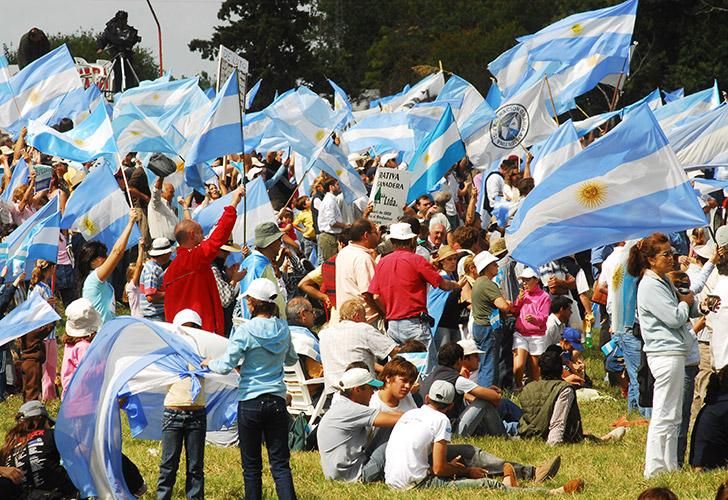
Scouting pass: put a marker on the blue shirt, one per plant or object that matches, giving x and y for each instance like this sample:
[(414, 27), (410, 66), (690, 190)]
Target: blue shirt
[(101, 295), (150, 282)]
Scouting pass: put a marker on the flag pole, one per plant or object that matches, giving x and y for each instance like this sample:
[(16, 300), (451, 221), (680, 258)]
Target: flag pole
[(615, 96), (242, 140), (126, 184), (551, 96)]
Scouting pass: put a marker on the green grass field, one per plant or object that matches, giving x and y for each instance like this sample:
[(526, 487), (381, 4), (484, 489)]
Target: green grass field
[(611, 471)]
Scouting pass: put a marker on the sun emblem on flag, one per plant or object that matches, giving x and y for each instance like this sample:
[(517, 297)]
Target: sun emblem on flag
[(339, 172), (592, 193), (618, 278), (155, 96), (577, 28), (79, 142), (426, 159), (34, 97), (88, 226), (320, 135), (180, 166), (135, 133)]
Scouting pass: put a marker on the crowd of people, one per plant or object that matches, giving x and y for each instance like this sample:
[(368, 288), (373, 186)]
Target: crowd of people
[(411, 332)]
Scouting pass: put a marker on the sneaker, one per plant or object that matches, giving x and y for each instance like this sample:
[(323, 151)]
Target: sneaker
[(509, 476), (574, 486), (615, 435), (547, 470)]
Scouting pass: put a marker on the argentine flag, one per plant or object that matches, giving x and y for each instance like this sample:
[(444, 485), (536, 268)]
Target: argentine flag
[(98, 209), (94, 137), (39, 88), (221, 130), (36, 238), (331, 159), (29, 315), (250, 94), (134, 131), (701, 140), (555, 151), (387, 131), (341, 100), (4, 78), (626, 185), (19, 176), (673, 113), (159, 97), (437, 154), (259, 210)]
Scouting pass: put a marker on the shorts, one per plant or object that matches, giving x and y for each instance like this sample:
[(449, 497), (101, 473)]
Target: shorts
[(535, 345)]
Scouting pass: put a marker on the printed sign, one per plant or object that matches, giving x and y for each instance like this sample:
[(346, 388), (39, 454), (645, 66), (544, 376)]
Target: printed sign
[(227, 62), (389, 195)]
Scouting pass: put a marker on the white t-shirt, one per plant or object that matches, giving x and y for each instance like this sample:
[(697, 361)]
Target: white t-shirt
[(410, 445), (464, 385), (494, 187), (719, 320), (405, 404)]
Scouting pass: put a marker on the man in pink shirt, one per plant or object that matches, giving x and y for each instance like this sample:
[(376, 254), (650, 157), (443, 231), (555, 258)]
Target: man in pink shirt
[(355, 266)]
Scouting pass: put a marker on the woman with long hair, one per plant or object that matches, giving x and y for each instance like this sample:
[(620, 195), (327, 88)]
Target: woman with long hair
[(663, 314), (40, 282), (264, 344), (95, 268)]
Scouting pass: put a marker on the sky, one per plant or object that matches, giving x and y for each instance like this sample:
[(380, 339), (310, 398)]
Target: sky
[(181, 21)]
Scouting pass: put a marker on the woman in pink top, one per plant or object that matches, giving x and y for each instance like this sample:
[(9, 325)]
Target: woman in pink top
[(529, 340), (82, 323)]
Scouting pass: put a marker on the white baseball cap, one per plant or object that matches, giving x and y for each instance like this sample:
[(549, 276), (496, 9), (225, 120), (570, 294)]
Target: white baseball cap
[(255, 161), (469, 347), (401, 231), (187, 316), (262, 289), (483, 260), (528, 273), (356, 377), (253, 172), (442, 392)]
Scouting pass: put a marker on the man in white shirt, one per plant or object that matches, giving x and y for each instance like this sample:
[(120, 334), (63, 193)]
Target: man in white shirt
[(160, 215), (435, 235), (558, 319), (330, 221), (350, 340), (355, 265)]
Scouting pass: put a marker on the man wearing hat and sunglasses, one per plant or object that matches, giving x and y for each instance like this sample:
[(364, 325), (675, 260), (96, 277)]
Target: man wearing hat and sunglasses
[(151, 282)]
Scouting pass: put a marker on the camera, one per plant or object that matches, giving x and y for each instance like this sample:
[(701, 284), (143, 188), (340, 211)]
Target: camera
[(119, 34)]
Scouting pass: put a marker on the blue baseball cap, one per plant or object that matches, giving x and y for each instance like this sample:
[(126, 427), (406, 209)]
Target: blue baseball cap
[(573, 337)]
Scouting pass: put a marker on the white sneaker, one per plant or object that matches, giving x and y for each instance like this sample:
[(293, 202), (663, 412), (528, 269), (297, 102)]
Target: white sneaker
[(615, 435)]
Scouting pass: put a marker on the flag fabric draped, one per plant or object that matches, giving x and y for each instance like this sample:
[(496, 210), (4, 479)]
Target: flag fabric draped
[(221, 130), (161, 96), (673, 113), (341, 100), (333, 160), (464, 99), (674, 95), (250, 95), (39, 88), (437, 154), (94, 137), (555, 151), (133, 362), (701, 140), (98, 209), (386, 131), (29, 315), (134, 131), (19, 176), (633, 186)]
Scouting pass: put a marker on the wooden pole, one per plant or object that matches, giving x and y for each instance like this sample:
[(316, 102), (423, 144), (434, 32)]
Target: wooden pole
[(556, 118)]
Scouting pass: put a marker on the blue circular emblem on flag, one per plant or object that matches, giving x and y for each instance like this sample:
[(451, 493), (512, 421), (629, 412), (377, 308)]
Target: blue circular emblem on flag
[(510, 126)]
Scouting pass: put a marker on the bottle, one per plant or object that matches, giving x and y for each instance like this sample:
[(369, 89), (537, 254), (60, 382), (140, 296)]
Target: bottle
[(588, 339)]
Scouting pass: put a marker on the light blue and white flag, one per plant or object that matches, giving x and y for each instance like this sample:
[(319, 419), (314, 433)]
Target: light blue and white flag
[(221, 130), (701, 140), (386, 131), (521, 121), (19, 176), (259, 210), (333, 160), (425, 90), (510, 68), (4, 78), (98, 209), (464, 99), (494, 97), (633, 186), (134, 131), (250, 95), (94, 137), (437, 154), (29, 315), (561, 146), (304, 177), (674, 95), (671, 114), (38, 88), (160, 97), (341, 100), (36, 238), (256, 126), (583, 127), (134, 361), (378, 104)]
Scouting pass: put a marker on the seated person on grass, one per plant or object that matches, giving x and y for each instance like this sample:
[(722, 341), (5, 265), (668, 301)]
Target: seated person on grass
[(574, 367), (480, 416), (709, 443), (419, 454), (550, 410), (347, 453)]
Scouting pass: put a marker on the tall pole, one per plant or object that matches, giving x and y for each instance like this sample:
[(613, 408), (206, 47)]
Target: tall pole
[(242, 140), (159, 37), (551, 96)]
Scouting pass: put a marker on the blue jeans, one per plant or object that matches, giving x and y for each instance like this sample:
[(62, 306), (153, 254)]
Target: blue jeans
[(487, 340), (480, 418), (373, 469), (417, 328), (682, 438), (631, 347), (178, 427), (265, 417)]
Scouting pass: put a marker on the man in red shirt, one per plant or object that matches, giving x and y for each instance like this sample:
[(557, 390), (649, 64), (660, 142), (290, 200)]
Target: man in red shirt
[(400, 282), (188, 281)]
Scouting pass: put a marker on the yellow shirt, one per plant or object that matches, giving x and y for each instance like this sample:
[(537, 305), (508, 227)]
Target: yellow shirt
[(304, 219)]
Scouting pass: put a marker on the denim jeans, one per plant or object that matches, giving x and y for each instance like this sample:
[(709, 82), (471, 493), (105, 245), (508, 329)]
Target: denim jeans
[(178, 427), (480, 418), (373, 469), (488, 341), (682, 438), (66, 283), (417, 328), (631, 347), (265, 417)]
